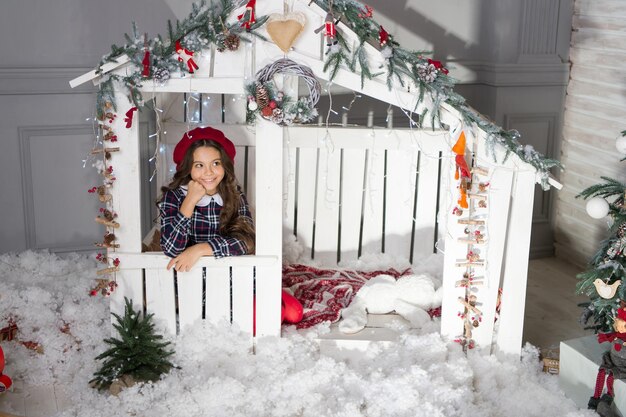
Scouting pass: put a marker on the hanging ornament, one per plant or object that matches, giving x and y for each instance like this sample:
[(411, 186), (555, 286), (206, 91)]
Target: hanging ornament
[(597, 207), (330, 29), (161, 75), (247, 18), (146, 59), (383, 36), (129, 117), (605, 290), (462, 170), (620, 144), (186, 56), (284, 29)]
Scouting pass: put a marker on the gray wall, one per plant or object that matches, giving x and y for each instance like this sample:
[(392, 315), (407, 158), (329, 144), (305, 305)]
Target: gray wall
[(507, 54)]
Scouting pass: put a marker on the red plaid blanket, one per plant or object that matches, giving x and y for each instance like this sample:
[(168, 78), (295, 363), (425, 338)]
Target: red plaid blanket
[(325, 292)]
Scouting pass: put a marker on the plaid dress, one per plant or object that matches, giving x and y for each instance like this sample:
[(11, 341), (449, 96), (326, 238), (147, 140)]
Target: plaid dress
[(179, 232)]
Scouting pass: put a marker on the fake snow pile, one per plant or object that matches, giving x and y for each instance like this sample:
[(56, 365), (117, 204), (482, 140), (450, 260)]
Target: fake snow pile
[(218, 376)]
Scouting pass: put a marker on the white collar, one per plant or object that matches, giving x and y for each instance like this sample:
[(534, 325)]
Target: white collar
[(206, 199)]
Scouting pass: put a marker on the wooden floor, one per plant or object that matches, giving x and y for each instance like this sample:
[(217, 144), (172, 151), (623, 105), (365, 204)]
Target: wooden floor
[(551, 316), (551, 303)]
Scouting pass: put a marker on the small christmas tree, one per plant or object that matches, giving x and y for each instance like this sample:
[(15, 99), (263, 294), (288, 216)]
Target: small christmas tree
[(139, 353), (604, 280)]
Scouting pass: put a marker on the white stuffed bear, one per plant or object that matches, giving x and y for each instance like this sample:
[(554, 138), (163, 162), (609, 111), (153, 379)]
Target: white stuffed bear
[(409, 296)]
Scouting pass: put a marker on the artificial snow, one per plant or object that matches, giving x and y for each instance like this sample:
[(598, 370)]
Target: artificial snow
[(217, 374)]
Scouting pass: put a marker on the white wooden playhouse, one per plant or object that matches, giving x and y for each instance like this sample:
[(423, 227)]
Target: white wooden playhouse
[(342, 191)]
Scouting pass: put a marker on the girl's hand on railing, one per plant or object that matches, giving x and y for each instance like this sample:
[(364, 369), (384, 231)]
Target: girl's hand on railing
[(186, 260)]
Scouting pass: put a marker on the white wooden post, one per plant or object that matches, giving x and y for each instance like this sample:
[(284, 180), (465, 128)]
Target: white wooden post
[(516, 265), (126, 201), (498, 203), (269, 174)]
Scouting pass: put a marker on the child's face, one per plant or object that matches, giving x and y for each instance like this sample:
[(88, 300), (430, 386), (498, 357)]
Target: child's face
[(207, 168)]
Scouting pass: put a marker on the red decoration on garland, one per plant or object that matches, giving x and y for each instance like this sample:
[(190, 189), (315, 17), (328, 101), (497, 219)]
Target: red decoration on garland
[(330, 29), (146, 59), (383, 36), (128, 119), (368, 12), (438, 65), (248, 21), (186, 56)]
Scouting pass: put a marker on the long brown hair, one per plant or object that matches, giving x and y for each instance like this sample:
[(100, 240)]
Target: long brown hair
[(231, 223)]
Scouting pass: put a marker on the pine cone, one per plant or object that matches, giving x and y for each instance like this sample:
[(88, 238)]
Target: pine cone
[(427, 72), (277, 116), (161, 75), (232, 42), (262, 97)]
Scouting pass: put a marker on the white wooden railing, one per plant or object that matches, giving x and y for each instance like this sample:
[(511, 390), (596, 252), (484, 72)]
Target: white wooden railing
[(219, 290)]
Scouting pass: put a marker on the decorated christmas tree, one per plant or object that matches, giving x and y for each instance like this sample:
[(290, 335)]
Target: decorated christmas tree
[(604, 280), (139, 352)]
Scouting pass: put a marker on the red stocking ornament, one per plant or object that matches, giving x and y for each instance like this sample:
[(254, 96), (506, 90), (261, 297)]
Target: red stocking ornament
[(129, 117)]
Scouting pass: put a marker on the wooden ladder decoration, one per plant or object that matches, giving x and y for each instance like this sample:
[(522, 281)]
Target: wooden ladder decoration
[(474, 249)]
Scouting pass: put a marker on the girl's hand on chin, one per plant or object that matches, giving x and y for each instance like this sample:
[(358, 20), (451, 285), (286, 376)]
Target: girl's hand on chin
[(195, 190)]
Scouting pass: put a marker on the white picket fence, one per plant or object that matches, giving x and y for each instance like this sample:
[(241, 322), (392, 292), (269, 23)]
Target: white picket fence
[(218, 290)]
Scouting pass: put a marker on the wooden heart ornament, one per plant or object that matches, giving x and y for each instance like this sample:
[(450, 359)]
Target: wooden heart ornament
[(284, 29)]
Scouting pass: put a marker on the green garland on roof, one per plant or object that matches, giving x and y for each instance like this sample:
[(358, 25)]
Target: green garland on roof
[(404, 66), (206, 25)]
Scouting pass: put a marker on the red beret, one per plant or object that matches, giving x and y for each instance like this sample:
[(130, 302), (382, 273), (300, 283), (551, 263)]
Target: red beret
[(200, 133)]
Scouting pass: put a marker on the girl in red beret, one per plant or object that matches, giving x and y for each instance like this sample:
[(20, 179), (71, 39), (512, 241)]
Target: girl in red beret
[(203, 210)]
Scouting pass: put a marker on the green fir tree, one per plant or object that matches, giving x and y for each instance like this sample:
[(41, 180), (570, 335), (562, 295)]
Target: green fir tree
[(139, 352), (608, 265)]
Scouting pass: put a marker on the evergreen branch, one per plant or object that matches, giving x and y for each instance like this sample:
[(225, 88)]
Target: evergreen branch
[(611, 187)]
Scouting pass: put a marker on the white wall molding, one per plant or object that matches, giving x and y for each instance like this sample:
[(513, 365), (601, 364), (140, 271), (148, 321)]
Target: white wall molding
[(42, 80), (538, 39), (16, 81), (547, 123), (26, 134), (510, 75)]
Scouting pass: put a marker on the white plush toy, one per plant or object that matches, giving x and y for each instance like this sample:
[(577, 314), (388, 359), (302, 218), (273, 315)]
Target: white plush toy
[(410, 296)]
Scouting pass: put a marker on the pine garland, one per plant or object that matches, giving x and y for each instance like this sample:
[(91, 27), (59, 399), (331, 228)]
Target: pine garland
[(139, 352), (206, 25), (403, 66)]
